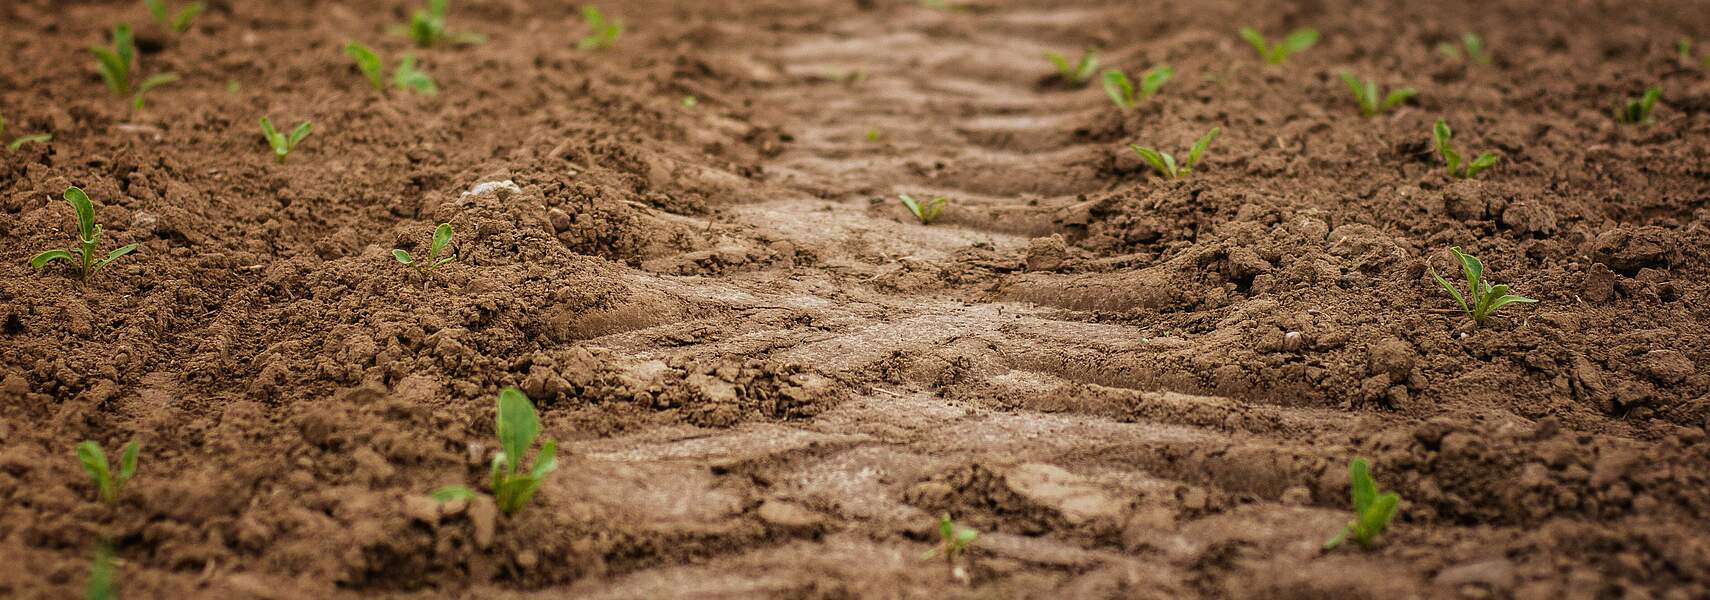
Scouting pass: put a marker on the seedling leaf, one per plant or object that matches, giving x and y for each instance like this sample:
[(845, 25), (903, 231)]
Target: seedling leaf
[(1372, 511), (1119, 88), (1076, 73), (369, 63), (1295, 42)]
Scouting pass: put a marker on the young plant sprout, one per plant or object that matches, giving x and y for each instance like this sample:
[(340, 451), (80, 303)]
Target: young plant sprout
[(427, 264), (1637, 111), (1481, 299), (88, 240), (115, 66), (518, 426), (176, 23), (1121, 90), (1076, 73), (953, 540), (1366, 93), (283, 144), (406, 77), (1297, 41), (1372, 511), (1470, 169), (19, 141), (427, 27), (1166, 165), (926, 212), (108, 483), (873, 134), (603, 32), (1471, 48)]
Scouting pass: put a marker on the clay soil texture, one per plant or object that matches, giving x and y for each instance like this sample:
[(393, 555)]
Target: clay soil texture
[(767, 380)]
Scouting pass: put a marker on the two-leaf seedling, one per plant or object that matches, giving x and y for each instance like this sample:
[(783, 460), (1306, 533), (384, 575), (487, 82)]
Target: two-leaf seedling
[(1471, 48), (1372, 511), (115, 65), (953, 540), (88, 238), (427, 264), (1367, 95), (1166, 165), (602, 32), (405, 77), (427, 27), (19, 141), (517, 426), (925, 212), (1481, 299), (175, 22), (108, 483), (283, 143), (1470, 169), (1637, 111), (1122, 92), (1078, 73), (1297, 41)]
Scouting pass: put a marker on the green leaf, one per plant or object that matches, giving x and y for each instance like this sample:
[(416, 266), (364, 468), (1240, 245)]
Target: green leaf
[(1508, 299), (1257, 40), (441, 237), (1484, 161), (113, 71), (302, 131), (85, 213), (114, 255), (37, 138), (1154, 79), (403, 257), (1470, 266), (153, 81), (1154, 158), (1062, 64), (1170, 163), (546, 461), (439, 8), (157, 9), (453, 492), (912, 206), (1200, 146), (1341, 536), (1360, 484), (409, 78), (95, 463), (124, 45), (1375, 518), (1456, 294), (1120, 90), (1087, 66), (1396, 97), (273, 138), (1298, 41), (1358, 88), (517, 426), (41, 260), (186, 15), (368, 62), (128, 462)]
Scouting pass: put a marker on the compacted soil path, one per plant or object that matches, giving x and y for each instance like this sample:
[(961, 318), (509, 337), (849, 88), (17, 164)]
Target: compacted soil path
[(767, 380)]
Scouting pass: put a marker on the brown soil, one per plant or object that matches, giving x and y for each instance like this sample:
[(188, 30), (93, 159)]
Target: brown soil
[(767, 380)]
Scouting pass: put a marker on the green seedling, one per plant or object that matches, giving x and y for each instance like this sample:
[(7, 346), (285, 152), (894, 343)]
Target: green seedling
[(1471, 48), (1371, 103), (1296, 42), (19, 142), (101, 584), (427, 27), (953, 540), (873, 134), (373, 68), (106, 482), (427, 264), (1372, 511), (115, 66), (1470, 169), (518, 426), (175, 22), (925, 212), (1077, 73), (603, 32), (283, 144), (1166, 165), (1637, 111), (1481, 299), (690, 101), (88, 240), (1122, 92)]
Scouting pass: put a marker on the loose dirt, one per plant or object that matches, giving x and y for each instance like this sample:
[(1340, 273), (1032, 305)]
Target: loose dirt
[(767, 380)]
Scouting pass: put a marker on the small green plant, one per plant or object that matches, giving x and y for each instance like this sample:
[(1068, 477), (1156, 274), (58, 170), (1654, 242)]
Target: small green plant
[(1122, 92), (953, 540), (19, 141), (873, 134), (433, 260), (1637, 111), (109, 484), (1078, 73), (101, 585), (1166, 165), (925, 212), (1442, 136), (427, 27), (115, 66), (1366, 94), (517, 426), (373, 68), (1372, 511), (1296, 42), (88, 239), (1471, 48), (690, 101), (175, 22), (1481, 299), (603, 32), (282, 143)]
